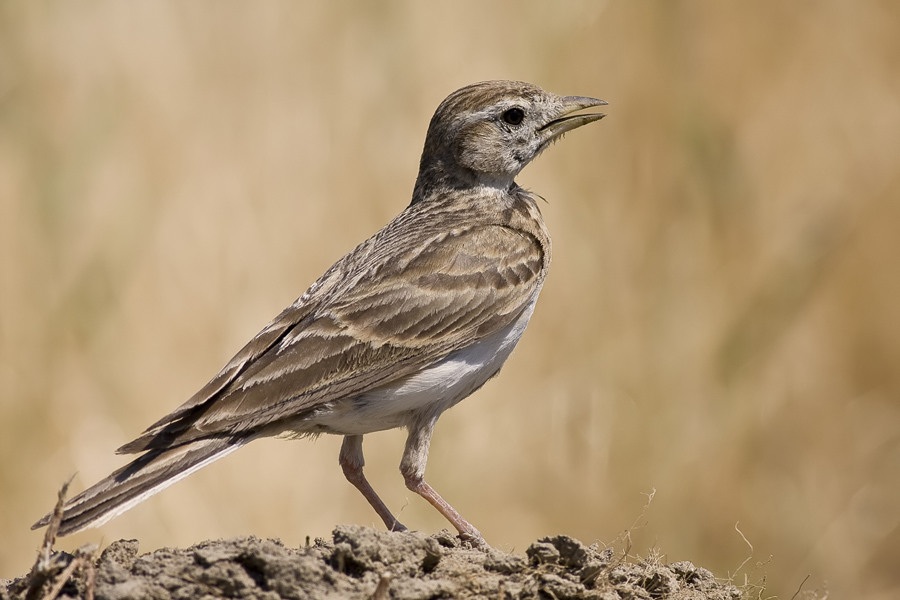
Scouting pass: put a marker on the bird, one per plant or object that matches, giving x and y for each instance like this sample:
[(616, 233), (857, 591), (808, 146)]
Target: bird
[(403, 327)]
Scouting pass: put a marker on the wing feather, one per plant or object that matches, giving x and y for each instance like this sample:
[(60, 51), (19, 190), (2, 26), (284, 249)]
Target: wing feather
[(373, 318)]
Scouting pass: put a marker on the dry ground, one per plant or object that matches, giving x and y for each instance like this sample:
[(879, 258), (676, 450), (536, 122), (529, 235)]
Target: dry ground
[(366, 564)]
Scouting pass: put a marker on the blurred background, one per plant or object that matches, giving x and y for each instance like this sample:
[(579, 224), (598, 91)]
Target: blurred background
[(721, 325)]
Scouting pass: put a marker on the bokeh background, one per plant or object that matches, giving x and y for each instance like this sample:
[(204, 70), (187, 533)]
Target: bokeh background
[(720, 329)]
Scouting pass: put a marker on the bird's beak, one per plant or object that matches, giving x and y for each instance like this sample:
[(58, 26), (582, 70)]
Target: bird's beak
[(566, 121)]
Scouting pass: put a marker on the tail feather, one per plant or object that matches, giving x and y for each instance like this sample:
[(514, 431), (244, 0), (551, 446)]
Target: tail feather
[(138, 480)]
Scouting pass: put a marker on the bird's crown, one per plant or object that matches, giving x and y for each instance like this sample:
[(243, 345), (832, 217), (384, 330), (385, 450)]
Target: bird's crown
[(485, 133)]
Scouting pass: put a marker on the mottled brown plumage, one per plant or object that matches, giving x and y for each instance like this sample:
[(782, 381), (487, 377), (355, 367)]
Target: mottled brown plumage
[(407, 324)]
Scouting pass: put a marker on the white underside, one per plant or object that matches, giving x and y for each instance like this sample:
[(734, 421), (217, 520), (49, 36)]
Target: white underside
[(431, 391)]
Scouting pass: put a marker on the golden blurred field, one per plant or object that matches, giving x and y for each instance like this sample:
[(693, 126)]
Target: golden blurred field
[(721, 323)]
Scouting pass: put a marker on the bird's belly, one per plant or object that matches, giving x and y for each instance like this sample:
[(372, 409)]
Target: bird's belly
[(430, 391)]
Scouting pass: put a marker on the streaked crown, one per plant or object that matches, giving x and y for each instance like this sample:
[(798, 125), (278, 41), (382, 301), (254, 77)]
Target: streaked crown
[(485, 133)]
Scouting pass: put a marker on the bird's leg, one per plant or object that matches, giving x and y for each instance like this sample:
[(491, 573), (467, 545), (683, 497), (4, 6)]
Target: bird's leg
[(412, 467), (352, 462)]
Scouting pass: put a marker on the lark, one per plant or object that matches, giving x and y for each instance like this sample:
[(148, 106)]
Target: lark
[(406, 325)]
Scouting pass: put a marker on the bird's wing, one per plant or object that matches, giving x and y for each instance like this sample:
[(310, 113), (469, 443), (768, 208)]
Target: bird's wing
[(373, 318)]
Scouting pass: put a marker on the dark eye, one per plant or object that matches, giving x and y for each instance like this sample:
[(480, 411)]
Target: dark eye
[(514, 116)]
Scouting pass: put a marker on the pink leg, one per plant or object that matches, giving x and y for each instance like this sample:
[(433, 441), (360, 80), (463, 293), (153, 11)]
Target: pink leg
[(352, 462), (415, 456)]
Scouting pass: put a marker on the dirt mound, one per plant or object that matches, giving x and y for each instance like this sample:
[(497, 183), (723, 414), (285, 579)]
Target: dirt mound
[(363, 563)]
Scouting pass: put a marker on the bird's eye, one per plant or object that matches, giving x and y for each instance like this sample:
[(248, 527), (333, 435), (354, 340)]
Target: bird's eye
[(513, 116)]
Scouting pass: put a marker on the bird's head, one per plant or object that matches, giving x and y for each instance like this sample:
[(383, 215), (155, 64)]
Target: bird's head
[(485, 133)]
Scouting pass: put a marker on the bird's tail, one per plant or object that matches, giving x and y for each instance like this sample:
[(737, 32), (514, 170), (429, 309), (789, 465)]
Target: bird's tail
[(138, 480)]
